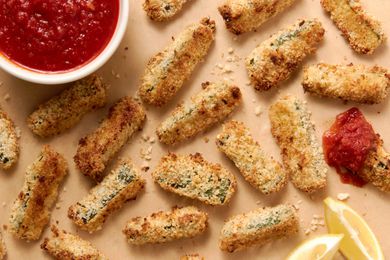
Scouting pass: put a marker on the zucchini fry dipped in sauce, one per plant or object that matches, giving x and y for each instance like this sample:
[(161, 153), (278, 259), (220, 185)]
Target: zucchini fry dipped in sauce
[(162, 10), (96, 149), (65, 110), (167, 71), (166, 226), (273, 61), (3, 250), (9, 143), (294, 132), (356, 151), (118, 187), (242, 16), (30, 212), (261, 171), (258, 227), (193, 177), (66, 246), (363, 32), (214, 103), (358, 83)]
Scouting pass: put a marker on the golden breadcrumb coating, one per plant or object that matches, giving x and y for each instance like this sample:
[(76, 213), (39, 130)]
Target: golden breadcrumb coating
[(258, 227), (162, 10), (273, 61), (9, 143), (193, 177), (195, 256), (358, 83), (213, 104), (121, 185), (161, 227), (242, 16), (260, 170), (65, 110), (376, 168), (95, 150), (66, 246), (167, 71), (363, 32), (30, 212), (3, 250), (294, 132)]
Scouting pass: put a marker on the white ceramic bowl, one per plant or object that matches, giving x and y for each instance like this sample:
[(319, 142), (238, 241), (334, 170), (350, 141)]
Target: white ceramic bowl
[(82, 71)]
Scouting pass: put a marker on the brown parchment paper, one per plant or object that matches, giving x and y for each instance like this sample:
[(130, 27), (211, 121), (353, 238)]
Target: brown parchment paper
[(143, 39)]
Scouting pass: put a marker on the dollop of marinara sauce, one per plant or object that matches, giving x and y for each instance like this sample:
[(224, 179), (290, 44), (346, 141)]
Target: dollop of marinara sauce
[(347, 144), (55, 35)]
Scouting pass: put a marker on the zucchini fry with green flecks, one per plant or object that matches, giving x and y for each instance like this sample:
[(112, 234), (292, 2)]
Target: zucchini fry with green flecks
[(9, 143), (166, 226), (167, 71), (66, 246), (242, 16), (358, 83), (363, 32), (118, 187), (193, 177), (214, 103), (65, 110), (162, 10), (30, 212), (96, 150), (294, 132), (261, 171), (273, 61), (3, 250), (258, 227)]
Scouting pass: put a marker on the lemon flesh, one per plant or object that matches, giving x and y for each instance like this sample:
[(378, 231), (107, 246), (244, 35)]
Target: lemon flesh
[(319, 248), (359, 241)]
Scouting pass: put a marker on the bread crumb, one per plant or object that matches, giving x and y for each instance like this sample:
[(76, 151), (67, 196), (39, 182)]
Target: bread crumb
[(206, 139), (231, 50), (342, 196), (258, 111), (7, 97), (18, 132)]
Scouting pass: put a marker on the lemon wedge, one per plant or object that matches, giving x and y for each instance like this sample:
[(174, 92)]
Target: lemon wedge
[(319, 248), (359, 241)]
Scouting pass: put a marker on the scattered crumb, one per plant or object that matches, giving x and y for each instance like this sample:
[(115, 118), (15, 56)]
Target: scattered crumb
[(18, 132), (295, 206), (231, 50), (7, 97), (299, 201), (342, 196), (64, 189), (4, 204), (206, 139), (258, 110), (152, 140), (5, 227)]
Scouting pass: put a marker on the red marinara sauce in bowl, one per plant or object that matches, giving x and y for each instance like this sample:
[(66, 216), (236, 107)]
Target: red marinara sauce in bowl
[(57, 41)]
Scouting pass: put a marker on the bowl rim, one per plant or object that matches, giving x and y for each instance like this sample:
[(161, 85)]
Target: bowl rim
[(77, 73)]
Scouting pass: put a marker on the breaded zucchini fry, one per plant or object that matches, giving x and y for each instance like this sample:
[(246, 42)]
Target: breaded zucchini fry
[(376, 169), (166, 226), (363, 32), (168, 70), (260, 170), (193, 177), (358, 83), (242, 16), (258, 227), (214, 103), (95, 150), (118, 187), (162, 10), (9, 143), (66, 246), (273, 61), (294, 132), (192, 257), (67, 109), (30, 212), (3, 250)]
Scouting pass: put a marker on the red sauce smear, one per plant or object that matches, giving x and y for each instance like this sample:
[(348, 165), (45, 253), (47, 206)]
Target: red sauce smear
[(347, 144), (56, 35)]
